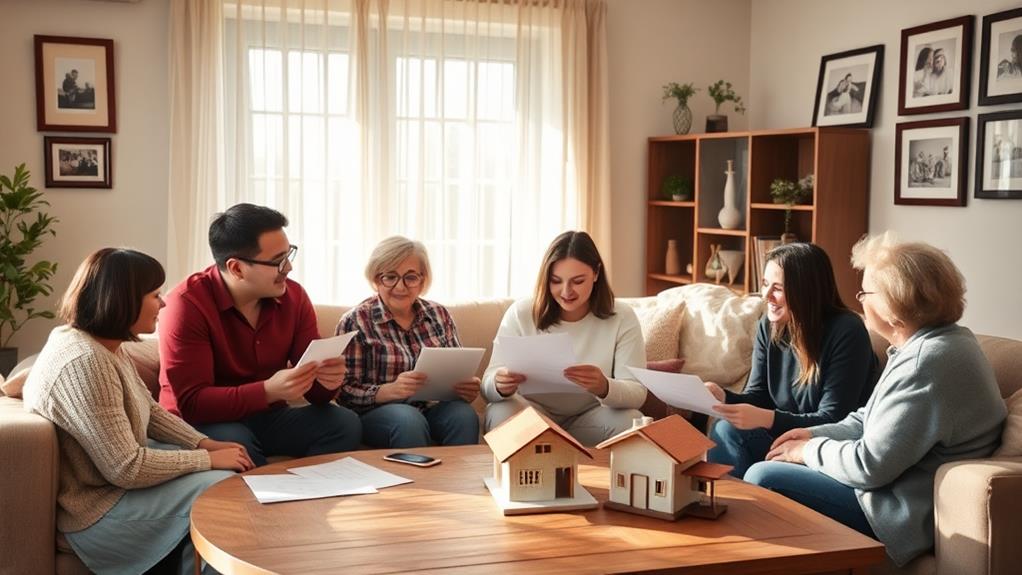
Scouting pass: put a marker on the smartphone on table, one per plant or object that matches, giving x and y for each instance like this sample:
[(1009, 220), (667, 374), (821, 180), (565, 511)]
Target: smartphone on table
[(412, 459)]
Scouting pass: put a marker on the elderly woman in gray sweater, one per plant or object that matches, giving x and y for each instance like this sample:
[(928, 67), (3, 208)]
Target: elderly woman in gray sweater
[(937, 401)]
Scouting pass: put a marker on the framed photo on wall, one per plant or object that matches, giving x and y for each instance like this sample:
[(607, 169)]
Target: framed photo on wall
[(73, 162), (847, 88), (74, 80), (999, 155), (936, 67), (931, 161), (1000, 72)]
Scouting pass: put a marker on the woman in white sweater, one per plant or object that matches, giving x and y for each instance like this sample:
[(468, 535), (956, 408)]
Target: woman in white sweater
[(574, 297), (124, 499)]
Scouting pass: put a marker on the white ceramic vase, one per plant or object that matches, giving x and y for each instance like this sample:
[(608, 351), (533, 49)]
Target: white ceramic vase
[(729, 216)]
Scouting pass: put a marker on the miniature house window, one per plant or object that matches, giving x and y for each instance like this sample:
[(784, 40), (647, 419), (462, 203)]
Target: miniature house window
[(659, 488), (620, 479), (530, 476), (542, 448)]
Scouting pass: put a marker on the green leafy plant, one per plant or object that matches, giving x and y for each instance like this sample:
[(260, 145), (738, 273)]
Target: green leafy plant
[(680, 92), (677, 186), (790, 193), (23, 226), (721, 92)]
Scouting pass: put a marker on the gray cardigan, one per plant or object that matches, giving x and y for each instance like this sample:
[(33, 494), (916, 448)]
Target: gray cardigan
[(937, 401)]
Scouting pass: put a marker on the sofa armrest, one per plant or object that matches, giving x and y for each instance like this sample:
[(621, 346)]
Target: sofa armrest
[(28, 490), (978, 516)]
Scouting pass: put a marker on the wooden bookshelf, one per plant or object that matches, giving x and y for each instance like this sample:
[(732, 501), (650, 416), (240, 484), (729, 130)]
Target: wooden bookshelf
[(835, 218)]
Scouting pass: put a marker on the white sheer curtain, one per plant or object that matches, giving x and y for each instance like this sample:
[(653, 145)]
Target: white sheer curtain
[(475, 126)]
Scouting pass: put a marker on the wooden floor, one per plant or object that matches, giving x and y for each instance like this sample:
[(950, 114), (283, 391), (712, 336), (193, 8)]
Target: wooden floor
[(446, 520)]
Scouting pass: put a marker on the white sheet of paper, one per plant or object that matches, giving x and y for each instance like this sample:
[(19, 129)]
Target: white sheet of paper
[(326, 348), (677, 389), (350, 472), (445, 366), (284, 487), (542, 359)]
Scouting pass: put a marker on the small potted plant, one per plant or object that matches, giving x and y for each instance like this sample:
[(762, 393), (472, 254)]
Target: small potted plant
[(721, 92), (790, 193), (682, 113), (23, 226), (677, 188)]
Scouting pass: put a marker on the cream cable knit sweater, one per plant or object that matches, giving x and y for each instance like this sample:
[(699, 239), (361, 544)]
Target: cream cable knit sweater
[(104, 416)]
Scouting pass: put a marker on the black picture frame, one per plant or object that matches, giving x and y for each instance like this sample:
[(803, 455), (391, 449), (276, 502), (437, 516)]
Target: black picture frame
[(920, 90), (1001, 44), (77, 162), (837, 107), (86, 65), (940, 176), (991, 146)]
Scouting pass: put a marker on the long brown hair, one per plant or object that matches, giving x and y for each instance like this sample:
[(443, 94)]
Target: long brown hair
[(810, 293), (577, 245)]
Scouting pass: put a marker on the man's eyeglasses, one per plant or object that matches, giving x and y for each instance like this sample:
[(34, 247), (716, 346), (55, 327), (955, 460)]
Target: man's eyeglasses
[(281, 264), (862, 295), (410, 279)]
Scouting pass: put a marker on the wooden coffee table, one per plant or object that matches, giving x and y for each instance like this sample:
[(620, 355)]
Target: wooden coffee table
[(446, 520)]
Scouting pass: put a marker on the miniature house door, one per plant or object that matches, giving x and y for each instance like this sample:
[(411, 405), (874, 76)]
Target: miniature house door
[(564, 485), (640, 491)]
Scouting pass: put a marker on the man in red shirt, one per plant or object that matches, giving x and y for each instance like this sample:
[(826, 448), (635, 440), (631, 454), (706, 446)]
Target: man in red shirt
[(227, 335)]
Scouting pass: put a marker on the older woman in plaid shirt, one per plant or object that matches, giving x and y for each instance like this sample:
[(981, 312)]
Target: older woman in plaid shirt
[(393, 326)]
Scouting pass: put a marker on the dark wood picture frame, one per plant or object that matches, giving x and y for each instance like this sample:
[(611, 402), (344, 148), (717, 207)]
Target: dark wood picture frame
[(987, 59), (91, 106), (982, 154), (963, 69), (831, 61), (64, 172), (959, 129)]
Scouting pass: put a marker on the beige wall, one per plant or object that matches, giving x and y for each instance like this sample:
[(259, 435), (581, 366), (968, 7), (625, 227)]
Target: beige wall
[(133, 213), (651, 43), (788, 39)]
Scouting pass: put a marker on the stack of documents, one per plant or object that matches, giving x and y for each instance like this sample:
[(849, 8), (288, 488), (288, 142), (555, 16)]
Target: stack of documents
[(542, 359), (347, 476)]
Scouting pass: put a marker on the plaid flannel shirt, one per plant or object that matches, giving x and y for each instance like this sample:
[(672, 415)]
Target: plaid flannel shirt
[(382, 349)]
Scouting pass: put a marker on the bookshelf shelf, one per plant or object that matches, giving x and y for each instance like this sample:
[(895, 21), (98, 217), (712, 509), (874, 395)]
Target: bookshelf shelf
[(836, 217)]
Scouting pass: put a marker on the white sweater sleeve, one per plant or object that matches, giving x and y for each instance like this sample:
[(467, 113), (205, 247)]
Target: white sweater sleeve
[(624, 391), (510, 326)]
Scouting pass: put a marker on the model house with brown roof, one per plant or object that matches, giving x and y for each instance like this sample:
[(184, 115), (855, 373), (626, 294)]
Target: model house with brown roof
[(657, 469), (535, 466)]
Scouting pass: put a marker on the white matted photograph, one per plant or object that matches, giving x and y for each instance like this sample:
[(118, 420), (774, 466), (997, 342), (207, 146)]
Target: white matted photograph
[(75, 84), (999, 155), (936, 63), (930, 160), (73, 162), (847, 86), (1000, 75)]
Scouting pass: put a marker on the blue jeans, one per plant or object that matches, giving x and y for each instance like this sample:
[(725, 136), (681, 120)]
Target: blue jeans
[(813, 489), (292, 431), (403, 425), (738, 447)]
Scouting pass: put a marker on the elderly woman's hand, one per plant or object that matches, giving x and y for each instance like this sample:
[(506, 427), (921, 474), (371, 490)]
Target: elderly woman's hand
[(791, 451)]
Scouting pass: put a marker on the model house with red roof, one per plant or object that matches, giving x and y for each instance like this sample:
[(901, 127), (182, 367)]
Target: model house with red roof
[(657, 469), (535, 466)]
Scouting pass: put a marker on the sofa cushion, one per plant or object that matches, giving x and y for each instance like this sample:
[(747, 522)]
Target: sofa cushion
[(1011, 437), (718, 331), (11, 387), (660, 321)]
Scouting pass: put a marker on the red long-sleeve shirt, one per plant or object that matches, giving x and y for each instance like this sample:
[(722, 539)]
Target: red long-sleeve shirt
[(213, 364)]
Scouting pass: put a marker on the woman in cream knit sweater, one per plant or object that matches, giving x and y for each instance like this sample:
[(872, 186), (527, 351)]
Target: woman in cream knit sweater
[(124, 499)]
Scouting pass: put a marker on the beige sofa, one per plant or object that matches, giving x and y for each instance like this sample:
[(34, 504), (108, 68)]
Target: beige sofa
[(978, 508)]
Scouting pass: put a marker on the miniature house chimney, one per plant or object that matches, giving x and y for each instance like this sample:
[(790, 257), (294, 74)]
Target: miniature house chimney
[(641, 421)]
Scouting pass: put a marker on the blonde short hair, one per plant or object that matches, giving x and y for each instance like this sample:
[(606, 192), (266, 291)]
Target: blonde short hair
[(389, 253), (919, 283)]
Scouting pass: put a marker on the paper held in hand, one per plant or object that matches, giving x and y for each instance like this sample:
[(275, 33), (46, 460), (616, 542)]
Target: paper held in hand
[(677, 389), (327, 348), (444, 367), (542, 359)]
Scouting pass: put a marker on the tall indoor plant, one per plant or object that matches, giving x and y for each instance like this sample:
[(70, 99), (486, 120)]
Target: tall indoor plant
[(23, 226)]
